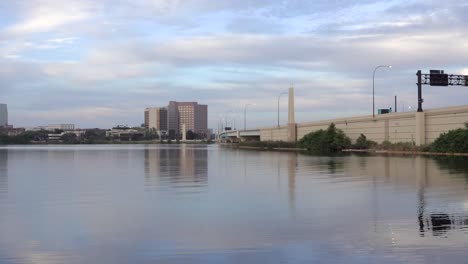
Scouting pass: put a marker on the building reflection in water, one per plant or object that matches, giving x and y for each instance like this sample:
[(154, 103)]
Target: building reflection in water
[(176, 164), (292, 167), (3, 172)]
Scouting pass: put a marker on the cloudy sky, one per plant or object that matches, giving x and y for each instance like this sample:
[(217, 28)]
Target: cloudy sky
[(100, 63)]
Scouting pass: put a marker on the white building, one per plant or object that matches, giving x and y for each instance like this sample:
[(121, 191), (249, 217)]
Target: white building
[(3, 115), (64, 127), (53, 127), (78, 133)]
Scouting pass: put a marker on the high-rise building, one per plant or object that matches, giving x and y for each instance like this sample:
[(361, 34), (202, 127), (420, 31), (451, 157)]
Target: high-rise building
[(172, 118), (3, 115), (201, 119), (156, 117), (193, 115)]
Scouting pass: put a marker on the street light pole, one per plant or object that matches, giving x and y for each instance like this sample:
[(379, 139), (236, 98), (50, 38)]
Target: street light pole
[(279, 105), (373, 85)]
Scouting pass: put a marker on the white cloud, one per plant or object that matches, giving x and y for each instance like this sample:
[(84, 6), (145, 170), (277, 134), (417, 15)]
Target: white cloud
[(67, 40), (46, 15), (202, 50)]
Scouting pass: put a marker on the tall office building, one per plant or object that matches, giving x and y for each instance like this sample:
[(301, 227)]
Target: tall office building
[(192, 114), (156, 117), (172, 118), (201, 119), (3, 115)]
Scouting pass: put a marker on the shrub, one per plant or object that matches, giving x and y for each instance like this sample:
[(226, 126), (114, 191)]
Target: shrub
[(398, 146), (268, 144), (325, 141), (69, 138), (454, 141), (18, 139), (363, 143)]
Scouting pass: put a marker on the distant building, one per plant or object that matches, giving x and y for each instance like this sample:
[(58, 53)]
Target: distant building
[(156, 118), (172, 119), (53, 127), (64, 127), (125, 133), (3, 115), (11, 131), (57, 137), (192, 114), (175, 115)]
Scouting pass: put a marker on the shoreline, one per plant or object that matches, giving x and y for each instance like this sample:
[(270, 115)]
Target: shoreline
[(424, 153), (112, 143), (366, 151)]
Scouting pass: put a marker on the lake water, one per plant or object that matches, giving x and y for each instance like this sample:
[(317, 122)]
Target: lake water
[(207, 204)]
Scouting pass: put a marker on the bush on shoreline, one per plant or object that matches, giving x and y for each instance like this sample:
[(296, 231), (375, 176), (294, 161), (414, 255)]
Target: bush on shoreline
[(398, 146), (331, 140), (268, 144), (363, 143), (454, 141)]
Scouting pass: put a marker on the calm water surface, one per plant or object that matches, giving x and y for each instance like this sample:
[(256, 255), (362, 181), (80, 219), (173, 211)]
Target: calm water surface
[(206, 204)]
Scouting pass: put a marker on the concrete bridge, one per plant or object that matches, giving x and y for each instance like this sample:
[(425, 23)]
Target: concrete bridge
[(256, 134), (418, 127), (240, 135)]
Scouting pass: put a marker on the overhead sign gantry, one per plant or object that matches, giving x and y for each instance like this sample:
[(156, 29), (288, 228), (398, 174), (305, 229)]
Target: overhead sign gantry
[(438, 78)]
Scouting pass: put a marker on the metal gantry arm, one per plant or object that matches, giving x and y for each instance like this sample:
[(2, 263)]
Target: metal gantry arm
[(461, 80), (448, 79)]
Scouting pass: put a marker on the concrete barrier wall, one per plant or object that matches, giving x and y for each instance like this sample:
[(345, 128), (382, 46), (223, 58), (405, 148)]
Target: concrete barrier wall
[(440, 121), (401, 129), (394, 127), (274, 134)]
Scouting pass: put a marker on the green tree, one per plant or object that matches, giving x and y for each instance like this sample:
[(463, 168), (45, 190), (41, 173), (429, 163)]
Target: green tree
[(94, 135), (151, 134), (454, 141), (69, 138), (363, 143), (190, 135), (331, 140)]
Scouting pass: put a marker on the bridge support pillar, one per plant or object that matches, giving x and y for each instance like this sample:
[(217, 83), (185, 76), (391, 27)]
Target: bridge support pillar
[(292, 128), (292, 132), (420, 128)]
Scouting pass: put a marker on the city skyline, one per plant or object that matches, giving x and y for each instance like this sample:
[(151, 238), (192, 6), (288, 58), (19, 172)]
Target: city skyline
[(97, 63), (172, 118)]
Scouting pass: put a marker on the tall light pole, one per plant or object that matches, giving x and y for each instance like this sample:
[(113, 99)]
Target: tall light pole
[(373, 85), (279, 102), (245, 115), (220, 127)]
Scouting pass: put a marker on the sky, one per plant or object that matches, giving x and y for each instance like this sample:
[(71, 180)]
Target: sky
[(101, 63)]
